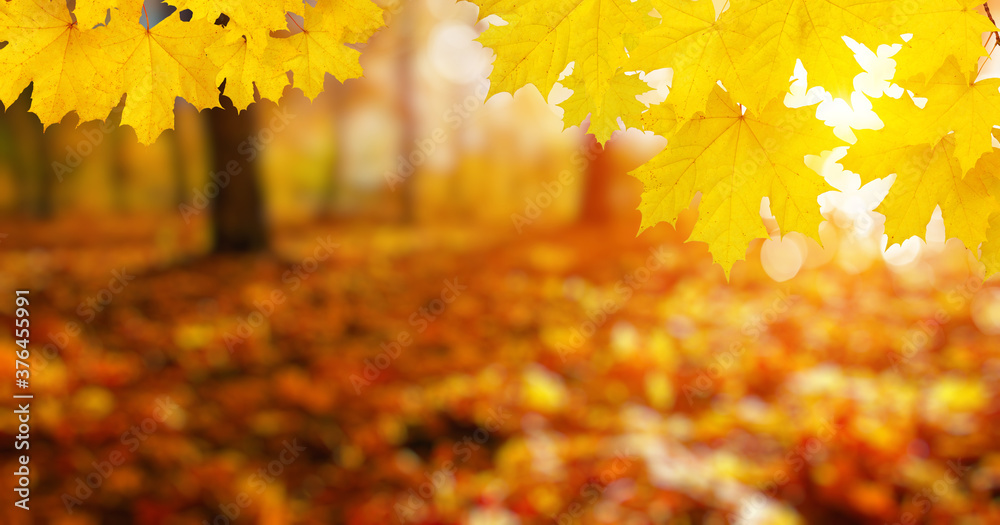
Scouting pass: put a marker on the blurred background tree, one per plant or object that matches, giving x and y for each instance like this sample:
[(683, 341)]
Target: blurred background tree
[(714, 388), (420, 100)]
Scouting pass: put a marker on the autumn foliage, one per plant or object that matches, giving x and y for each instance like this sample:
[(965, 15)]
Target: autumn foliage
[(833, 398), (729, 134), (87, 59)]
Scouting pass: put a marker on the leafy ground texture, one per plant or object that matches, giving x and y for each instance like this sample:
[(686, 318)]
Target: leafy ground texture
[(575, 379)]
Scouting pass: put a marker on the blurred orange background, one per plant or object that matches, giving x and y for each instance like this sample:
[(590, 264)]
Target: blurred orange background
[(416, 305)]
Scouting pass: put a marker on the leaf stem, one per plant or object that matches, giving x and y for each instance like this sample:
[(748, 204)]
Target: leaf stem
[(986, 6), (996, 41), (145, 15), (989, 56)]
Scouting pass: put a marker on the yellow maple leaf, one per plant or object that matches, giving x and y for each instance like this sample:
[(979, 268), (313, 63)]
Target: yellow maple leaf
[(89, 13), (752, 47), (782, 31), (69, 67), (321, 43), (12, 82), (268, 15), (735, 159), (698, 48), (940, 28), (934, 178), (959, 103), (991, 248), (955, 104), (878, 153), (159, 64), (495, 7), (358, 19), (661, 119), (242, 68), (989, 169), (617, 100), (543, 37)]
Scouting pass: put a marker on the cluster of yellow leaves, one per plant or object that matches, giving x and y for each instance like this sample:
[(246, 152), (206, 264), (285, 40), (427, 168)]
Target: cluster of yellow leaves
[(730, 136), (85, 59)]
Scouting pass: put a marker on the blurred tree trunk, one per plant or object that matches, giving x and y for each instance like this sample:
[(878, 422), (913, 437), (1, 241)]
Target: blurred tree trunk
[(30, 157), (119, 166), (338, 166), (328, 195), (237, 210), (406, 90), (14, 157), (596, 205), (181, 137), (44, 206), (179, 169)]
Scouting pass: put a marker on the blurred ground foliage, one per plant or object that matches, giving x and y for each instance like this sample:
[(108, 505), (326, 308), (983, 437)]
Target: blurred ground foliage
[(693, 401)]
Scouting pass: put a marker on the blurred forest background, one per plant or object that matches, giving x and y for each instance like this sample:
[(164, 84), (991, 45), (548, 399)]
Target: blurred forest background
[(443, 299)]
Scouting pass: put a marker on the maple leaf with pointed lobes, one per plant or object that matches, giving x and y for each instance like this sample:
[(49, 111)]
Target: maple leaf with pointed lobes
[(751, 49), (954, 105), (698, 48), (940, 28), (85, 60), (320, 44), (89, 13), (988, 169), (69, 67), (160, 64), (878, 153), (495, 7), (242, 69), (991, 248), (259, 14), (936, 179), (14, 29), (250, 20), (544, 36), (957, 102), (661, 119), (619, 101), (782, 31), (735, 159)]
